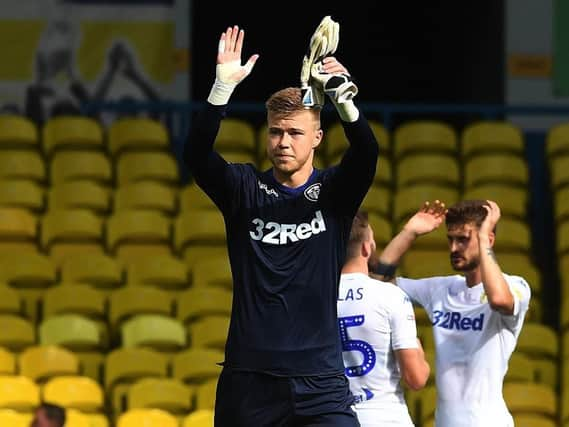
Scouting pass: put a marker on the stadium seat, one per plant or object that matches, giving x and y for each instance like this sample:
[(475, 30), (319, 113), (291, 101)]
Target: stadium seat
[(79, 195), (557, 141), (81, 393), (209, 332), (71, 231), (91, 363), (193, 197), (23, 194), (194, 229), (520, 264), (199, 418), (16, 333), (81, 166), (378, 200), (137, 134), (18, 133), (513, 201), (146, 418), (528, 398), (19, 393), (26, 165), (513, 235), (408, 200), (98, 270), (135, 233), (18, 231), (530, 420), (133, 300), (205, 301), (420, 263), (335, 142), (146, 195), (235, 135), (11, 418), (71, 133), (488, 136), (97, 420), (428, 168), (72, 331), (75, 298), (424, 136), (427, 404), (160, 332), (10, 302), (126, 365), (75, 418), (540, 343), (196, 365), (41, 363), (562, 235), (520, 369), (168, 394), (7, 362), (382, 229), (205, 394), (147, 166), (212, 271), (163, 271), (504, 169)]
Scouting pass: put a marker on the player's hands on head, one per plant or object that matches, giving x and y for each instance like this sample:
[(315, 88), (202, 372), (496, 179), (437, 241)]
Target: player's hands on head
[(429, 217), (492, 218)]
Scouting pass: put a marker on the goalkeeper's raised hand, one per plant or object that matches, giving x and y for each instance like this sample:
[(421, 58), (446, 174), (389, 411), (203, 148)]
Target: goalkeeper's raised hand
[(229, 72)]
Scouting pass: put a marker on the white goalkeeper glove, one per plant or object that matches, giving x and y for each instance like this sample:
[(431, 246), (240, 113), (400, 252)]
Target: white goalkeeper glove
[(324, 41), (229, 72)]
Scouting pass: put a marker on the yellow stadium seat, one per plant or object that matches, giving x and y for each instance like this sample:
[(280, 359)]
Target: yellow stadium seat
[(423, 135), (205, 301), (212, 271), (81, 393), (561, 204), (427, 404), (73, 331), (71, 132), (562, 232), (137, 133), (81, 166), (235, 135), (194, 255), (205, 394), (27, 165), (147, 418), (18, 193), (522, 265), (538, 340), (7, 363), (196, 365), (146, 195), (168, 394), (19, 393), (425, 334), (99, 270), (383, 170), (530, 399), (163, 271), (79, 195), (71, 231), (10, 302), (16, 333), (18, 231), (513, 235), (199, 418), (559, 171), (153, 330), (492, 136), (131, 234), (378, 200), (11, 418), (520, 369), (75, 298), (421, 315), (41, 363), (193, 197), (199, 227), (531, 420), (133, 300), (91, 363), (408, 200), (147, 166), (557, 140), (335, 142), (513, 201), (18, 132), (421, 263), (126, 365), (75, 418), (493, 168), (428, 168), (209, 332), (382, 229), (97, 420)]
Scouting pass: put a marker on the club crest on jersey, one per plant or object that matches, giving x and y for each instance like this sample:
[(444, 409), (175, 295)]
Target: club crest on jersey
[(312, 192), (269, 191)]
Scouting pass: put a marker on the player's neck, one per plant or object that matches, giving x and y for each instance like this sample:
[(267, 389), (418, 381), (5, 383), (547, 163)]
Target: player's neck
[(295, 179), (356, 265), (473, 277)]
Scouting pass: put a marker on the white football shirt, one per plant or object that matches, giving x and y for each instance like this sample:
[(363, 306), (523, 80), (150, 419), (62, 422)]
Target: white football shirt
[(473, 344), (375, 319)]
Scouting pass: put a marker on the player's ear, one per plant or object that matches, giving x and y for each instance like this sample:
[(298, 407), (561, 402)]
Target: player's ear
[(317, 138), (492, 239)]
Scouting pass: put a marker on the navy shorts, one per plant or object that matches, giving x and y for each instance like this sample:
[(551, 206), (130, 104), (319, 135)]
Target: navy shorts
[(252, 399)]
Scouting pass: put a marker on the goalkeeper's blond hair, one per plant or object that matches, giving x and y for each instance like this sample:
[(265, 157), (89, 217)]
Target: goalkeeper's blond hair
[(288, 101)]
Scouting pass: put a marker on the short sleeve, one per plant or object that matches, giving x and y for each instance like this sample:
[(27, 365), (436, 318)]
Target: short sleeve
[(403, 326)]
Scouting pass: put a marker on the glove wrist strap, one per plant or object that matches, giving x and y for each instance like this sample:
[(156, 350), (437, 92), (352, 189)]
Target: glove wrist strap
[(220, 92), (347, 110)]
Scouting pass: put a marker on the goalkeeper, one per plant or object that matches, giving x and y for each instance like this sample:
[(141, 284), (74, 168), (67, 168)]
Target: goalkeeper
[(287, 229)]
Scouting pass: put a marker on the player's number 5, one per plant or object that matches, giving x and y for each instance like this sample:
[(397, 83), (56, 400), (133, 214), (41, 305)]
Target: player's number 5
[(356, 345)]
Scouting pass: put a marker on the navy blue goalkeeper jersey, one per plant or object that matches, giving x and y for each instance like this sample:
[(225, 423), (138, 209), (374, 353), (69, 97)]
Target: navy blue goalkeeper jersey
[(286, 248)]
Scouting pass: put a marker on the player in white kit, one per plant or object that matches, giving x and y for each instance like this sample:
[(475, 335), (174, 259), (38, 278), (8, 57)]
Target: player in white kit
[(477, 316), (379, 337)]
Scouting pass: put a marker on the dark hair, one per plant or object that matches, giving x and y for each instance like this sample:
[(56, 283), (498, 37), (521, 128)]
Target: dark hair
[(466, 212), (54, 412), (359, 233), (286, 102)]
